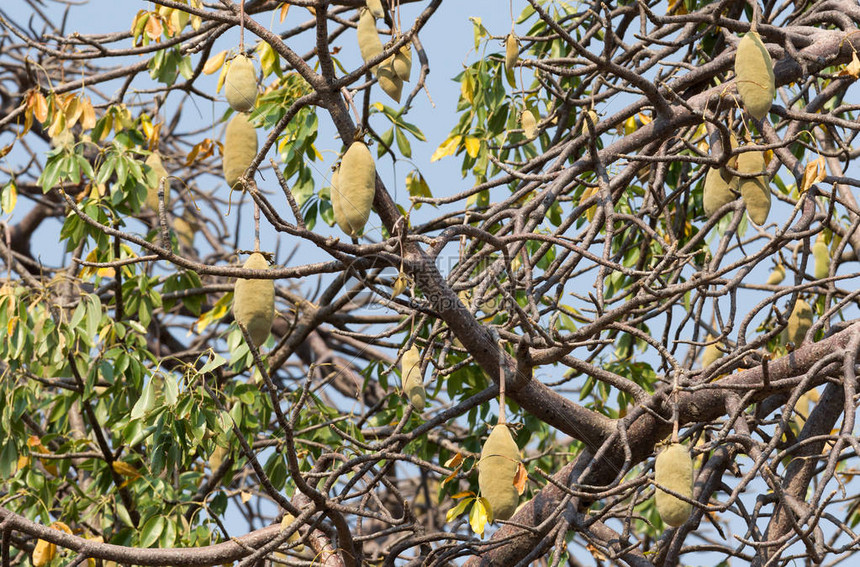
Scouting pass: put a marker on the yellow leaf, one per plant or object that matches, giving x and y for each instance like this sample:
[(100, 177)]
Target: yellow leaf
[(467, 88), (58, 125), (814, 172), (454, 461), (221, 78), (245, 496), (629, 125), (62, 527), (400, 285), (9, 198), (124, 469), (676, 6), (37, 103), (463, 494), (214, 63), (448, 148), (217, 312), (586, 195), (479, 515), (520, 478), (153, 27), (43, 553), (285, 7), (472, 146), (852, 69), (88, 114)]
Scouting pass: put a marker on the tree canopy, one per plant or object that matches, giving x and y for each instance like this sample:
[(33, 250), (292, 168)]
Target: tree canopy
[(634, 271)]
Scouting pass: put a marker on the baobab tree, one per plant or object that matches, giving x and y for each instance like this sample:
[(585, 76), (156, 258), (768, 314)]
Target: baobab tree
[(244, 349)]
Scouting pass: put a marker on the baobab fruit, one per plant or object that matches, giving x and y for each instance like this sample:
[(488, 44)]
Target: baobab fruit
[(388, 79), (711, 354), (512, 51), (755, 190), (673, 469), (240, 85), (496, 471), (799, 322), (154, 163), (254, 301), (368, 38), (529, 124), (352, 196), (413, 382), (718, 190), (240, 148), (403, 62), (821, 255), (777, 275), (754, 71), (375, 8)]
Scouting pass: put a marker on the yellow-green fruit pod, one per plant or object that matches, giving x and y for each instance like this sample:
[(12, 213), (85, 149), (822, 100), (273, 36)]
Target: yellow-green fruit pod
[(755, 191), (497, 468), (403, 63), (712, 353), (389, 81), (375, 8), (799, 322), (154, 162), (754, 70), (512, 51), (718, 190), (368, 38), (777, 275), (413, 381), (674, 470), (240, 85), (240, 148), (352, 197), (822, 259), (254, 301), (529, 124)]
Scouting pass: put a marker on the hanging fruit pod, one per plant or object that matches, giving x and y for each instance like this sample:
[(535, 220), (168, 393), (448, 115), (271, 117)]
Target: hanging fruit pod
[(755, 190), (240, 85), (369, 43), (352, 196), (403, 62), (254, 301), (755, 79), (390, 82), (240, 148), (497, 467), (673, 469)]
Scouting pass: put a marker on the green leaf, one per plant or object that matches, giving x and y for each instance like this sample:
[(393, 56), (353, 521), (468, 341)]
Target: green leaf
[(146, 401), (8, 459), (151, 530), (403, 143)]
